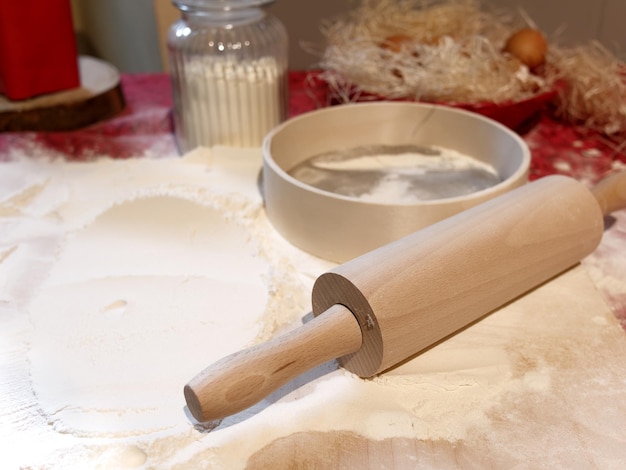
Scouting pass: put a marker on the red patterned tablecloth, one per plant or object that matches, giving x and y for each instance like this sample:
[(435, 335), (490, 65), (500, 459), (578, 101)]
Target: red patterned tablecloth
[(144, 129)]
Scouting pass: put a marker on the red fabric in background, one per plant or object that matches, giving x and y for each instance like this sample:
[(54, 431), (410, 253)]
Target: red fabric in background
[(144, 128)]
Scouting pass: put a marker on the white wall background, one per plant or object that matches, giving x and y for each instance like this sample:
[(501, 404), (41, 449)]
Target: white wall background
[(129, 33)]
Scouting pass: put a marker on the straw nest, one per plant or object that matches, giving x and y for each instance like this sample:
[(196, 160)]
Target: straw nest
[(456, 51)]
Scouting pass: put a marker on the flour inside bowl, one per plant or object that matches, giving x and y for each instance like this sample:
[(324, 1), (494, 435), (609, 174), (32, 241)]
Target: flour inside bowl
[(396, 173)]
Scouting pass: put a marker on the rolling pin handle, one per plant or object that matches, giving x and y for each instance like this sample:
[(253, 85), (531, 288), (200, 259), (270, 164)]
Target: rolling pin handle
[(242, 379), (611, 193)]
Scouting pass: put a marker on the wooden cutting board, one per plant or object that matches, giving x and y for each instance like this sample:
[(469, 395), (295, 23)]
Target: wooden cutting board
[(564, 348), (99, 97)]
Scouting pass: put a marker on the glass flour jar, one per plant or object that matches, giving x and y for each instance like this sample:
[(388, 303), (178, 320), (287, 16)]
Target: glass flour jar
[(228, 62)]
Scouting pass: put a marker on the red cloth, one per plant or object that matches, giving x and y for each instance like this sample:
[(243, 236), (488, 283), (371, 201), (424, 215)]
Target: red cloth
[(144, 128)]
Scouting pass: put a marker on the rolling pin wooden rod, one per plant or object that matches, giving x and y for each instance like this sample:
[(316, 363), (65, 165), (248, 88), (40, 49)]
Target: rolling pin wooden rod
[(387, 305)]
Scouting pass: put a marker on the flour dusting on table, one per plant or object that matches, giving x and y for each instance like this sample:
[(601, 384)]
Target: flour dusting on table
[(123, 279)]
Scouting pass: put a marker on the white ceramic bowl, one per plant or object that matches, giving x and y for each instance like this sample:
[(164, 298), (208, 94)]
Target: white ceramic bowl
[(337, 227)]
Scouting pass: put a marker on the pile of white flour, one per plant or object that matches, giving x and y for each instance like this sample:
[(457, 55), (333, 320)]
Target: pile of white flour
[(123, 279)]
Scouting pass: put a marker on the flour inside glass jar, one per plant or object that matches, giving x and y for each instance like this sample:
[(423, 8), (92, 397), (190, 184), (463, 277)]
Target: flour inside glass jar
[(396, 173)]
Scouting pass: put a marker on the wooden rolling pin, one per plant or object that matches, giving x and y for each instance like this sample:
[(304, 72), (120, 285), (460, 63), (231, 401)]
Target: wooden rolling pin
[(389, 304)]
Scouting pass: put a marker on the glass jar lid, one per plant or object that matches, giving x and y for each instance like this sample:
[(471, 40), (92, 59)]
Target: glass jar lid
[(187, 5)]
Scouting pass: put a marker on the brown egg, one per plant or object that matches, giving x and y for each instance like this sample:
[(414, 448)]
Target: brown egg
[(396, 42), (529, 46)]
